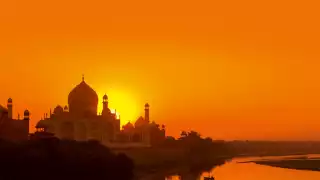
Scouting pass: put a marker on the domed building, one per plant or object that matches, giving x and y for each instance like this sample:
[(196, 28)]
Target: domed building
[(144, 131), (79, 120), (13, 129)]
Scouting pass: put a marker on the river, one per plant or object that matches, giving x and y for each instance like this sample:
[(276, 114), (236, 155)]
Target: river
[(235, 170)]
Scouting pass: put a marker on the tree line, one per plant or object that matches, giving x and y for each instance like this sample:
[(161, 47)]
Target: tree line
[(53, 159)]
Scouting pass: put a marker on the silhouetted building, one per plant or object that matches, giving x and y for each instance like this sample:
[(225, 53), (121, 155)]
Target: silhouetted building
[(143, 131), (13, 129), (79, 121)]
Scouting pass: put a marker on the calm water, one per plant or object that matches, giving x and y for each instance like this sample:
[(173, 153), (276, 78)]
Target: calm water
[(234, 170)]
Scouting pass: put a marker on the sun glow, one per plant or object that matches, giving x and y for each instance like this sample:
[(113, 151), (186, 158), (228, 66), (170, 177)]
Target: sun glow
[(123, 103)]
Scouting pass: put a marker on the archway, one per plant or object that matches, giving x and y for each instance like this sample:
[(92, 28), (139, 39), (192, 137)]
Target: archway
[(137, 137), (95, 131), (82, 132), (67, 130)]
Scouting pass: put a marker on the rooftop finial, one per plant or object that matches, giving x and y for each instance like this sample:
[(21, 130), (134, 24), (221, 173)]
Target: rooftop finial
[(82, 77)]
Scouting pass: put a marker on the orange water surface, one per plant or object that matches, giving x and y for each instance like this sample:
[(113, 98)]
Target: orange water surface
[(250, 171)]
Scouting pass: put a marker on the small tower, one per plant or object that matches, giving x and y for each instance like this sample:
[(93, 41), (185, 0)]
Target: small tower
[(146, 112), (10, 110), (66, 109), (26, 115), (105, 102), (105, 109)]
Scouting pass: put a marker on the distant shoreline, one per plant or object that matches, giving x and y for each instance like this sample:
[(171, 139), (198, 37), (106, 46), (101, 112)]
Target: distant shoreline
[(273, 155), (296, 164)]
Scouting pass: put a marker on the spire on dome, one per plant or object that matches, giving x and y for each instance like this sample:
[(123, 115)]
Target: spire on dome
[(82, 77)]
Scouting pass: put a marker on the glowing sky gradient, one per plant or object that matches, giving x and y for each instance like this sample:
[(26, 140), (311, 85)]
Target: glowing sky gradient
[(229, 69)]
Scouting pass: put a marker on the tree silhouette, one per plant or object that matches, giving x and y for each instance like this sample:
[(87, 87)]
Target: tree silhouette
[(183, 134), (56, 159)]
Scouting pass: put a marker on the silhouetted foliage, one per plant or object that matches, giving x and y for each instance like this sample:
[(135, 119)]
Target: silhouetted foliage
[(57, 159), (197, 149)]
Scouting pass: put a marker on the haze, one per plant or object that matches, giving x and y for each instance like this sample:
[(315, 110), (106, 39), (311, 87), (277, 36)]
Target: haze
[(228, 69)]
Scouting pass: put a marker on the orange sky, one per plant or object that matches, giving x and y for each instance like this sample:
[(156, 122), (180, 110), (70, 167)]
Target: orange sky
[(229, 69)]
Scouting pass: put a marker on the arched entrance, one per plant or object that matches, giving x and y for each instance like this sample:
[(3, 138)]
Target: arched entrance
[(95, 132), (82, 132), (67, 130)]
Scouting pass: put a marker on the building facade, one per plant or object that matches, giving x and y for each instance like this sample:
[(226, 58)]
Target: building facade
[(13, 129), (80, 121), (143, 130)]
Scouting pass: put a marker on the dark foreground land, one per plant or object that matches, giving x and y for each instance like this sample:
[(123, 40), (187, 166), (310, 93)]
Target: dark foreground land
[(168, 161), (299, 164), (53, 159), (50, 158), (189, 153)]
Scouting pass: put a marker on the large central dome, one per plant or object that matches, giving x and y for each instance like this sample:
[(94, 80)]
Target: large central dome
[(83, 100)]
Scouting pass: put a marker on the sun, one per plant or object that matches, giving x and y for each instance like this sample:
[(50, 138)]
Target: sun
[(123, 103)]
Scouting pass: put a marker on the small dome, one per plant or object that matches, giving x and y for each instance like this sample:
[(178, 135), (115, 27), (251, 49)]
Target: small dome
[(10, 100), (41, 124), (147, 106), (65, 108), (128, 127), (140, 122), (105, 97), (26, 113), (154, 125), (58, 110)]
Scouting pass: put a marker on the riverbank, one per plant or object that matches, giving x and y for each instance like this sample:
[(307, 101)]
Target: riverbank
[(301, 163), (169, 161)]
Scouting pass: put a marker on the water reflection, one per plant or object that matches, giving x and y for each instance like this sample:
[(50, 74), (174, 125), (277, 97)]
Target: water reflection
[(183, 173), (252, 171), (185, 177), (188, 176)]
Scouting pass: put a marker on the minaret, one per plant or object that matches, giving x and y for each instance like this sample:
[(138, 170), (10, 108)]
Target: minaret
[(9, 106), (26, 115), (105, 101), (146, 112), (105, 105), (26, 120)]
